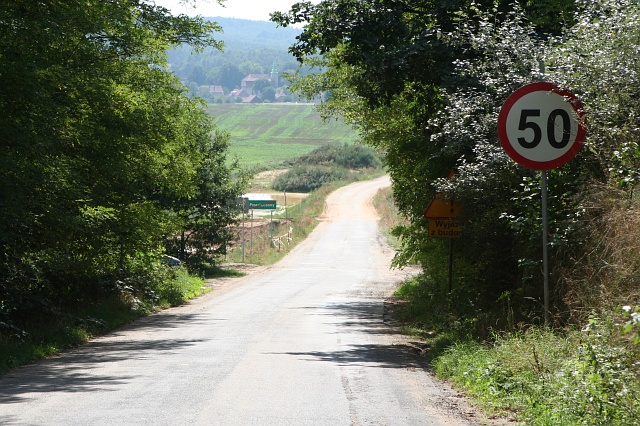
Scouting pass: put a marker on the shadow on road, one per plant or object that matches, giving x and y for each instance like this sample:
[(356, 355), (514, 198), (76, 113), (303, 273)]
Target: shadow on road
[(366, 317), (370, 355), (76, 370)]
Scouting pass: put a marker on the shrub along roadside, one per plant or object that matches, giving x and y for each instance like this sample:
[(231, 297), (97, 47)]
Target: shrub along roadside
[(573, 376), (547, 378), (326, 164)]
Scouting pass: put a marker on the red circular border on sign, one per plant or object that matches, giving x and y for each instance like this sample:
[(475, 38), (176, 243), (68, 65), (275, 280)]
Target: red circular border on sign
[(502, 126)]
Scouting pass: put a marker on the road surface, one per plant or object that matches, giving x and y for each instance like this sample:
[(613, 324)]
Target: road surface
[(303, 342)]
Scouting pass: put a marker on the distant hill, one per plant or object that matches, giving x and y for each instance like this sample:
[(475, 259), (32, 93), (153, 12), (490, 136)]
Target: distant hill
[(252, 46), (242, 34)]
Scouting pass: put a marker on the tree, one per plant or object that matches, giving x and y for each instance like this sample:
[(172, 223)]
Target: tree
[(202, 222), (268, 94), (250, 67), (260, 85), (94, 132), (199, 76), (423, 81), (228, 76)]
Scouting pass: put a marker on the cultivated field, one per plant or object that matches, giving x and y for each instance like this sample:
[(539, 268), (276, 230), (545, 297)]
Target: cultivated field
[(266, 135)]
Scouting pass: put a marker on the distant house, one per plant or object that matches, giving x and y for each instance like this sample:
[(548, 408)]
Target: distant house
[(249, 81), (238, 93), (253, 99), (216, 91)]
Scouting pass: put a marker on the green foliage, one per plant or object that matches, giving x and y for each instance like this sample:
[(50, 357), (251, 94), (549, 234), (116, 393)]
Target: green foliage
[(583, 378), (180, 288), (103, 152), (540, 377), (348, 156), (632, 325), (306, 178), (436, 76), (325, 164)]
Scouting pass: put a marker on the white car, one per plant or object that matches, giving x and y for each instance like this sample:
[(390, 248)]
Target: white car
[(171, 261)]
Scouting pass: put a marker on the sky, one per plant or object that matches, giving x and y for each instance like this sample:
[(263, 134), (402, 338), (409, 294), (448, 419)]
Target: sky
[(257, 10)]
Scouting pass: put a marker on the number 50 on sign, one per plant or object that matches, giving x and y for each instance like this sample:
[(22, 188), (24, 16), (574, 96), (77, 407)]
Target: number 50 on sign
[(541, 126)]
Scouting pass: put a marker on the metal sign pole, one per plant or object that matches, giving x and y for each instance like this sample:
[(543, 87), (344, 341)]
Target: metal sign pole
[(545, 247), (242, 236), (450, 264), (451, 210)]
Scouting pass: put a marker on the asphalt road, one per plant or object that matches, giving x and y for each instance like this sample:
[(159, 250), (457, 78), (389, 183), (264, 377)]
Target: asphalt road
[(304, 342)]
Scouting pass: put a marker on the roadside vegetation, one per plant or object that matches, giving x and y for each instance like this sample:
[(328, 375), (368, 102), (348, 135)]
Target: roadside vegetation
[(389, 215), (108, 165), (570, 375), (327, 164), (425, 83), (317, 173)]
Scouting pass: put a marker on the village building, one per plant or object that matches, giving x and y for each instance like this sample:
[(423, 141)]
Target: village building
[(249, 82), (216, 91)]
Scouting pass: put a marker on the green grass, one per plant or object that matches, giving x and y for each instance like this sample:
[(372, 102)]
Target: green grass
[(549, 378), (217, 272), (266, 135), (266, 155), (535, 376), (182, 288)]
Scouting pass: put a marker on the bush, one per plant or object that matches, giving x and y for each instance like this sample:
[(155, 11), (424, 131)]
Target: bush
[(304, 178), (326, 164), (348, 156)]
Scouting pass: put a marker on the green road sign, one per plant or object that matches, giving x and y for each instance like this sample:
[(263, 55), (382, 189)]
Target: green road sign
[(262, 204)]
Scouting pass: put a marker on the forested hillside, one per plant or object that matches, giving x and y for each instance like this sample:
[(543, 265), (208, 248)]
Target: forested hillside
[(250, 47)]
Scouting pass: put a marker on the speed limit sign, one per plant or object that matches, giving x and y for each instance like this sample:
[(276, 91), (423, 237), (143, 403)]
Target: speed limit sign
[(541, 126)]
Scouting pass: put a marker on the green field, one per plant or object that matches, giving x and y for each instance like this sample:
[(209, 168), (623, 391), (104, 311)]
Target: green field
[(265, 135)]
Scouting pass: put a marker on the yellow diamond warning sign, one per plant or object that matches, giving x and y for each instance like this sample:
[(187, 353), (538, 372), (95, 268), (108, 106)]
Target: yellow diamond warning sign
[(443, 208)]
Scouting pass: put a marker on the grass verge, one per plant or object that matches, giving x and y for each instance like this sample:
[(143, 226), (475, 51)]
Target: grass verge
[(388, 213), (543, 377), (535, 376)]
